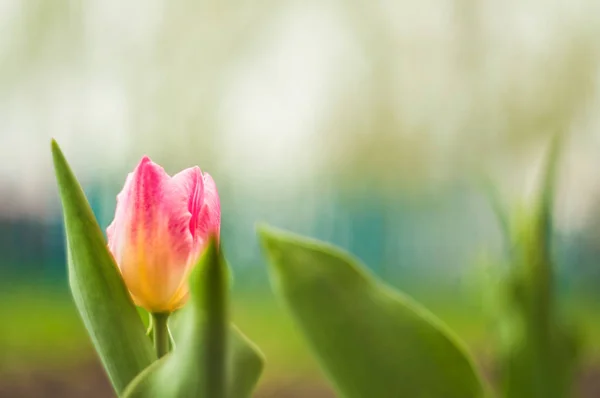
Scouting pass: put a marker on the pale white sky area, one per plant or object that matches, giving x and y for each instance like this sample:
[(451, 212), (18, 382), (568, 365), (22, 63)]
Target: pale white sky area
[(261, 91)]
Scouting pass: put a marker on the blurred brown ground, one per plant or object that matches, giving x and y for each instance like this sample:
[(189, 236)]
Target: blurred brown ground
[(90, 381)]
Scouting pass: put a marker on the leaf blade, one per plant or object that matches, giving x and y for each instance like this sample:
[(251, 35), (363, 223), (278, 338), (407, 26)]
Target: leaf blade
[(100, 295), (370, 340), (211, 359)]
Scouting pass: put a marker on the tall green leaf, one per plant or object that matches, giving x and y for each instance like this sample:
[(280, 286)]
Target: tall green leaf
[(210, 359), (372, 341), (100, 295), (539, 350)]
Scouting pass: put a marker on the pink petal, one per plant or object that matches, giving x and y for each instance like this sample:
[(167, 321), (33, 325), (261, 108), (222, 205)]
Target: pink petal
[(210, 215), (191, 183), (150, 236), (112, 235)]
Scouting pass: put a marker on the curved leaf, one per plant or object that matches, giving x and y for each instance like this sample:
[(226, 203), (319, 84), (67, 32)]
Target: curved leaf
[(372, 341), (100, 295), (210, 360)]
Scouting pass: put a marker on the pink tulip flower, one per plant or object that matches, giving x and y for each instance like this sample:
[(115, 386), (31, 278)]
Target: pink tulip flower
[(161, 226)]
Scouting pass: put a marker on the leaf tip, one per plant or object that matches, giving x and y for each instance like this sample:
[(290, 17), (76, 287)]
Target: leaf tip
[(55, 147), (266, 232), (209, 263), (269, 237), (57, 156), (262, 228)]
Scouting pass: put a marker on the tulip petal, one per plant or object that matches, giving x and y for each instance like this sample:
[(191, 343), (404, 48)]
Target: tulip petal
[(210, 215), (191, 182), (150, 237), (160, 228), (114, 234)]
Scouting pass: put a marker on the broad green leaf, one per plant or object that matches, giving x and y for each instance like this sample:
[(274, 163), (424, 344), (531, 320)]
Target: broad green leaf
[(372, 341), (100, 295), (210, 358)]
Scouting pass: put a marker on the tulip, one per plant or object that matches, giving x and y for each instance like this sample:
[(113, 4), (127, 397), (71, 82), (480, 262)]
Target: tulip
[(161, 226)]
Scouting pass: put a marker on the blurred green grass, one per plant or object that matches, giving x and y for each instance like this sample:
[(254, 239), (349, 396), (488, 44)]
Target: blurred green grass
[(41, 330)]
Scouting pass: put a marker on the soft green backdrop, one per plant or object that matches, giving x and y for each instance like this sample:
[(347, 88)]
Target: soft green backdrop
[(367, 124)]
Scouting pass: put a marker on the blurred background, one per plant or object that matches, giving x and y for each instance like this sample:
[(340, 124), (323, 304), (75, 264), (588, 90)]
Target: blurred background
[(364, 123)]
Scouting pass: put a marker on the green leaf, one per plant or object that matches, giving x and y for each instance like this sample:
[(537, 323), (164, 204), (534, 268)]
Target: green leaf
[(211, 359), (100, 295), (372, 341), (500, 211), (539, 353), (546, 195), (244, 365)]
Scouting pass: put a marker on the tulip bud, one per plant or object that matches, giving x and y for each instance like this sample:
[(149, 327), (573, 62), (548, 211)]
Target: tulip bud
[(161, 226)]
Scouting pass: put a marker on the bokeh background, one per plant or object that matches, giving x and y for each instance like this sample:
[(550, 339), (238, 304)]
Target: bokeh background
[(365, 123)]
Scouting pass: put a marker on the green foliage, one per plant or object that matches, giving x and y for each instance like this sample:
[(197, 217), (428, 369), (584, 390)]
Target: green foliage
[(211, 359), (538, 350), (100, 295), (372, 341)]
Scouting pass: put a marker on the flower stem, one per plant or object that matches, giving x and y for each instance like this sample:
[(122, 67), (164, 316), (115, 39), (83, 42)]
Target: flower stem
[(161, 333)]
